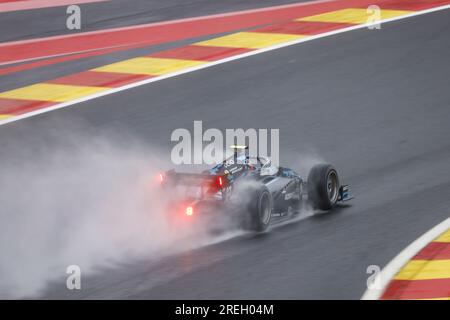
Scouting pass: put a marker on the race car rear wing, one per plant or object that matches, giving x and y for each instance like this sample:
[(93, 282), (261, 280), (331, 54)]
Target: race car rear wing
[(192, 179)]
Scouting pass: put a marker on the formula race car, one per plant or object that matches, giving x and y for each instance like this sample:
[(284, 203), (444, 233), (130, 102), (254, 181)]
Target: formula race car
[(252, 191)]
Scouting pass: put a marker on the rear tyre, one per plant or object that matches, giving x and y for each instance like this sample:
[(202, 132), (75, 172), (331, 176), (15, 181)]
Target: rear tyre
[(259, 211), (323, 186)]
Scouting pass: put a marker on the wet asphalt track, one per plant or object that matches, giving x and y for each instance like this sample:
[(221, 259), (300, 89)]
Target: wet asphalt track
[(374, 103)]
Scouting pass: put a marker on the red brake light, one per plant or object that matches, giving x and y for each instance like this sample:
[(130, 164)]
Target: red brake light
[(220, 182), (189, 211)]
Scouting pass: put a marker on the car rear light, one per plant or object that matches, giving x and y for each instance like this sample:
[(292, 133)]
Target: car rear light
[(189, 211), (220, 182), (161, 177)]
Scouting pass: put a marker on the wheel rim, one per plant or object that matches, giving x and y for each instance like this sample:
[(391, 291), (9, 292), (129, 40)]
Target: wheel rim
[(332, 186), (265, 208)]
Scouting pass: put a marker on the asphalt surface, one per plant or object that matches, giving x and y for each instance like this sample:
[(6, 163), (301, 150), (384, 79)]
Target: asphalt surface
[(373, 103), (46, 22)]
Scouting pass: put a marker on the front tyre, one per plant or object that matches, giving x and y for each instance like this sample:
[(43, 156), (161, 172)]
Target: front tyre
[(323, 186)]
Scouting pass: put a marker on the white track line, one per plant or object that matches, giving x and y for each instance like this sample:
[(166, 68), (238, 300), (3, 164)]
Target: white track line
[(394, 266), (163, 23), (210, 64)]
